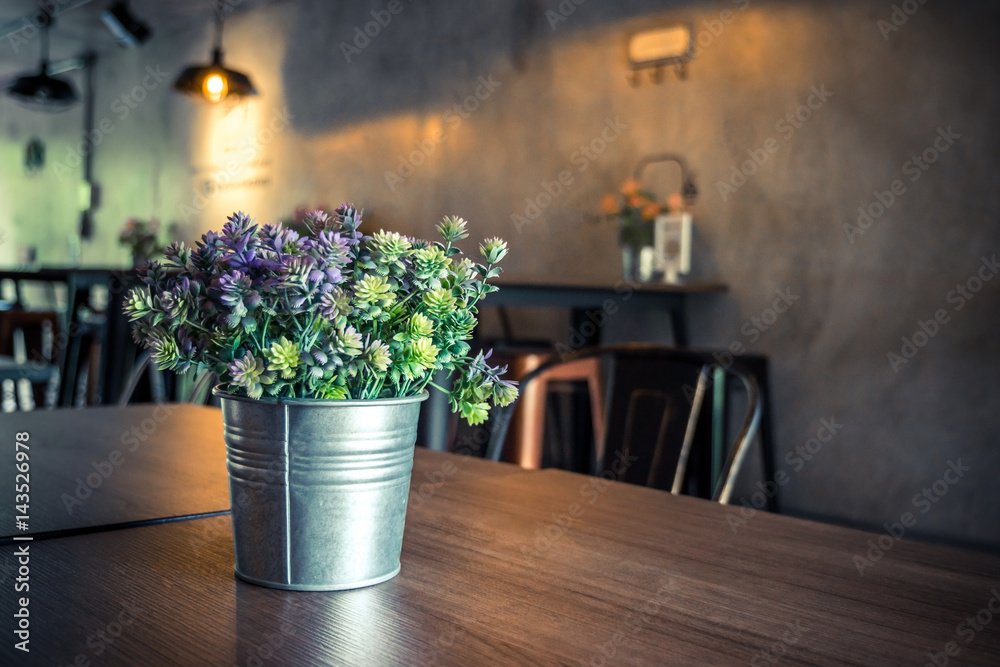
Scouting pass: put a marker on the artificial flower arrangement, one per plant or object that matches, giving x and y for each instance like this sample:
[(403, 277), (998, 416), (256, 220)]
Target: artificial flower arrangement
[(635, 211), (141, 238), (332, 314)]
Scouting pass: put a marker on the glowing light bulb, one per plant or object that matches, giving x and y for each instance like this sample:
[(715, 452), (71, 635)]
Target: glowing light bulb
[(215, 87)]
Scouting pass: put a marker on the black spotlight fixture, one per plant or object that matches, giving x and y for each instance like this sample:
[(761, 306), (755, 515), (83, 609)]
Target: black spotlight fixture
[(42, 92), (127, 29), (214, 82)]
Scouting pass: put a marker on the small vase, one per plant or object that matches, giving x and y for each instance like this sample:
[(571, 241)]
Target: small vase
[(318, 488), (638, 263)]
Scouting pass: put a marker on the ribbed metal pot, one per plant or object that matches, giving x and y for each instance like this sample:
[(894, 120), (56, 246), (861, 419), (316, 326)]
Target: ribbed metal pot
[(318, 488)]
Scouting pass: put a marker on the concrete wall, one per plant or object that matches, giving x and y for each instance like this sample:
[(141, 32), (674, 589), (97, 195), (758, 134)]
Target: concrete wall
[(382, 130)]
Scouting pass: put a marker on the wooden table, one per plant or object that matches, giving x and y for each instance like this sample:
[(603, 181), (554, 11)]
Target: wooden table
[(512, 567), (126, 466)]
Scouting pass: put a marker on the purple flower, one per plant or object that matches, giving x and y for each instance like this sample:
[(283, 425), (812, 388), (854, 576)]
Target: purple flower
[(236, 292), (187, 351), (332, 248), (283, 241), (335, 304), (318, 220)]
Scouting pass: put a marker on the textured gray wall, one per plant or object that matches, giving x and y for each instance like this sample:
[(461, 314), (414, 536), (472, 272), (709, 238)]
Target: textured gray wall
[(783, 229)]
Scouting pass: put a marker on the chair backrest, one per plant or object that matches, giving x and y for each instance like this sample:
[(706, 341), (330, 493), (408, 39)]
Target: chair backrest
[(655, 421)]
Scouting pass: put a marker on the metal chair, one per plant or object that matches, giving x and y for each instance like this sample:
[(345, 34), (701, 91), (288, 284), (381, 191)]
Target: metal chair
[(654, 397), (157, 385), (28, 369)]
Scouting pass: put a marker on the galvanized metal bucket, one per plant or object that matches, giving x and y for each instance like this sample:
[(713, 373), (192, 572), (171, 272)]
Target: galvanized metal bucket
[(318, 488)]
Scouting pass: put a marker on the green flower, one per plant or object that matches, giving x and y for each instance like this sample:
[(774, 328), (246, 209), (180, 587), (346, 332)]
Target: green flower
[(431, 265), (422, 352), (139, 304), (390, 245), (372, 296), (476, 388), (416, 359), (461, 323), (475, 413), (333, 391), (504, 393), (452, 229), (283, 356), (439, 302), (493, 250), (345, 343), (165, 351), (378, 357), (418, 326)]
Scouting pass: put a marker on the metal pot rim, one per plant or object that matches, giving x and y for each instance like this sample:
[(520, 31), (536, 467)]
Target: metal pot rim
[(322, 402)]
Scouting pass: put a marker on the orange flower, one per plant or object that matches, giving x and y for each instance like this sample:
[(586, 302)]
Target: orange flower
[(630, 187), (650, 211), (635, 201), (609, 205), (675, 202)]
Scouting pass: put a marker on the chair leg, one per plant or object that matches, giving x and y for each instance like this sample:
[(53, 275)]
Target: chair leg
[(597, 409), (531, 429), (767, 437), (527, 428)]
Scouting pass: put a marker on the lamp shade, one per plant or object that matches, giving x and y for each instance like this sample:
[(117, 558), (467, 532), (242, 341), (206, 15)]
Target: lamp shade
[(214, 82), (42, 92)]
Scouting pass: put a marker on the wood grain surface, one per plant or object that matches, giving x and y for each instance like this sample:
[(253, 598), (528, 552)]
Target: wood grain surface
[(502, 566), (105, 466)]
